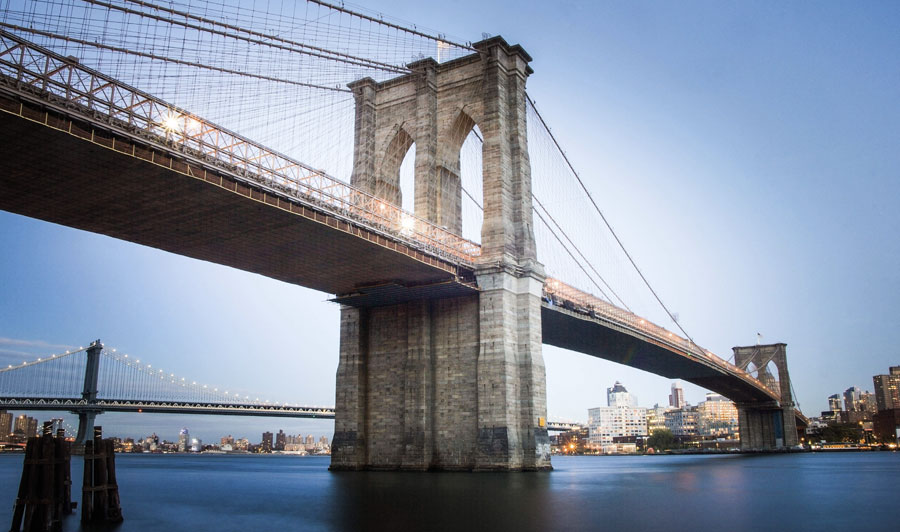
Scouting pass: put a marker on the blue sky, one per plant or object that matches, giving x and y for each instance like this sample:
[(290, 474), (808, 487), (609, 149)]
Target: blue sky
[(747, 154)]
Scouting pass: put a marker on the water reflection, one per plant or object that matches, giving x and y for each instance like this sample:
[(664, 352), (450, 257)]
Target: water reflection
[(224, 493)]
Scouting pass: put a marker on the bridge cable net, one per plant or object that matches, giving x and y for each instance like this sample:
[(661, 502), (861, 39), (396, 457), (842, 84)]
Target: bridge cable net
[(58, 375), (275, 72), (121, 378)]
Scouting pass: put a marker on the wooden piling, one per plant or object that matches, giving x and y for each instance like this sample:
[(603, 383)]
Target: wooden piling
[(100, 492), (42, 497)]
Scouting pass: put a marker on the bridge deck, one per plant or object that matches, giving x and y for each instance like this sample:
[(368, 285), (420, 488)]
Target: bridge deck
[(570, 330), (93, 180)]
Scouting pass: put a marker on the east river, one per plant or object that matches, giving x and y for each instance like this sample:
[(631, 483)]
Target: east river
[(817, 492)]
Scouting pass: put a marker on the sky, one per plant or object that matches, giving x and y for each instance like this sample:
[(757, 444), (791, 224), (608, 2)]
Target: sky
[(746, 153)]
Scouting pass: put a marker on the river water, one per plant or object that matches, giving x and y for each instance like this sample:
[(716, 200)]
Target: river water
[(820, 492)]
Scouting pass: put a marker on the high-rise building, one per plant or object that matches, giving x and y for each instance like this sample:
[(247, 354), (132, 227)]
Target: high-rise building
[(717, 416), (620, 418), (25, 426), (266, 444), (227, 440), (834, 402), (676, 398), (6, 425), (619, 396), (279, 440), (184, 441), (887, 389), (310, 443), (867, 403), (851, 399)]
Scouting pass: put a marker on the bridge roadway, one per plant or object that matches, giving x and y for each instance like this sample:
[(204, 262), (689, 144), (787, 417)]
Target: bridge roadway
[(199, 408), (77, 405), (66, 164)]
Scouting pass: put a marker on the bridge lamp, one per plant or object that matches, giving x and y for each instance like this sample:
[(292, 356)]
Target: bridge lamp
[(407, 223), (170, 122)]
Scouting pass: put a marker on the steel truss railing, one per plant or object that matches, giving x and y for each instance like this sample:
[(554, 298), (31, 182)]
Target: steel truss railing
[(34, 69), (573, 299)]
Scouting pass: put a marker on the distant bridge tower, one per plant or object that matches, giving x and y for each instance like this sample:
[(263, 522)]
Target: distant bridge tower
[(87, 416), (459, 382), (773, 426)]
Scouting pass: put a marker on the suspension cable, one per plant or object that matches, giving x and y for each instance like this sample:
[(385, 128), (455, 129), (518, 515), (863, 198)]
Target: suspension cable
[(185, 14), (605, 221), (561, 230), (293, 47), (342, 9), (168, 59)]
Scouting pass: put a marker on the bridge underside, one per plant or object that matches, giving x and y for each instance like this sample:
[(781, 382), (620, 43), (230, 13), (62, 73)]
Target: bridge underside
[(569, 330), (127, 191)]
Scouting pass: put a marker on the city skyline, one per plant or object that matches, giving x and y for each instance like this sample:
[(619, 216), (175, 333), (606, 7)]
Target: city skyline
[(751, 178)]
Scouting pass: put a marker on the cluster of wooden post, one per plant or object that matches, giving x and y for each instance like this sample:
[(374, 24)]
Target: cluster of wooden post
[(100, 491), (45, 491)]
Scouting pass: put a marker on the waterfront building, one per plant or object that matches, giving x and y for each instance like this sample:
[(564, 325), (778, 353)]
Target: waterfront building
[(887, 389), (886, 425), (621, 417), (242, 444), (834, 402), (279, 440), (717, 416), (227, 440), (656, 418), (323, 443), (682, 421), (6, 425), (676, 398), (184, 441), (265, 445), (571, 442)]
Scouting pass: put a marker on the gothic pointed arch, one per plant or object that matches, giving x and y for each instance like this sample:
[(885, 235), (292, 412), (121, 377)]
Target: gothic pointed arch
[(387, 184)]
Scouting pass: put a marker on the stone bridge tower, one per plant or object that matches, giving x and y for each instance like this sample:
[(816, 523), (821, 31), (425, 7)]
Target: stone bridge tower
[(455, 383), (772, 426)]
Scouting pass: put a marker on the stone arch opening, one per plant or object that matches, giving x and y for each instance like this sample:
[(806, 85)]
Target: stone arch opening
[(407, 179), (771, 377), (388, 183), (471, 157), (461, 176)]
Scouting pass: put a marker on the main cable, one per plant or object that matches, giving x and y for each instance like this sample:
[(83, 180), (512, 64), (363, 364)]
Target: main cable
[(605, 221)]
